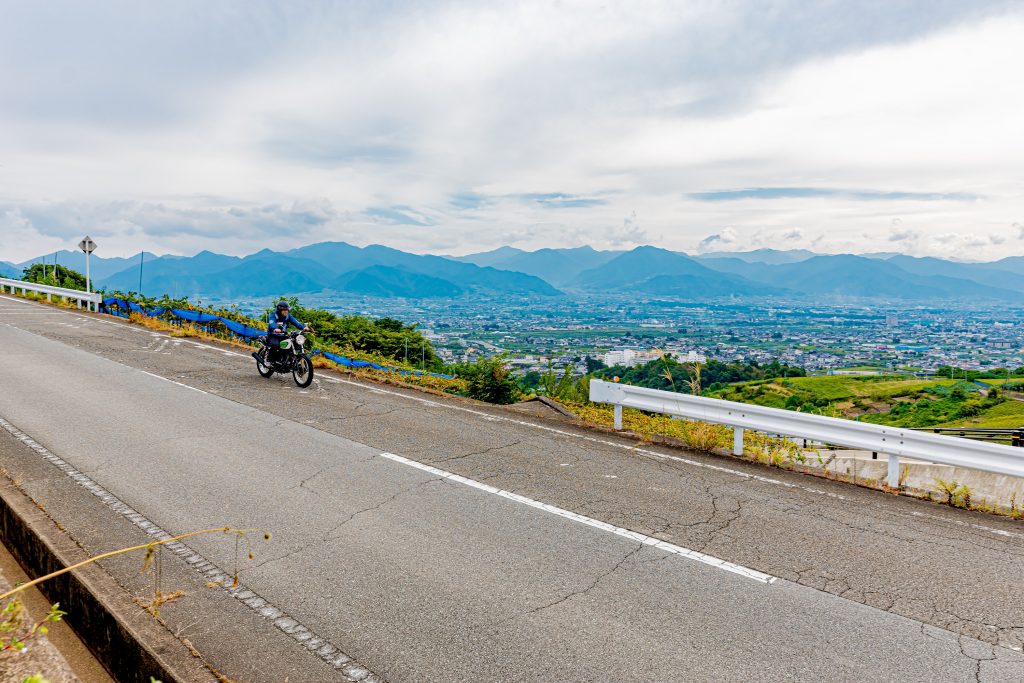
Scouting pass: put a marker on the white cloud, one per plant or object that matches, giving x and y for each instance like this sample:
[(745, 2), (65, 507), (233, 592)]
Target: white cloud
[(238, 126)]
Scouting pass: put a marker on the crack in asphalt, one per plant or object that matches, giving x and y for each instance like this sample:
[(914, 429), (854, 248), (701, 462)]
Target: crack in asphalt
[(329, 534), (570, 595), (486, 450)]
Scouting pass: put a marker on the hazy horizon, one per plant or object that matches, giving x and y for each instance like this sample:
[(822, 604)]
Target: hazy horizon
[(128, 254)]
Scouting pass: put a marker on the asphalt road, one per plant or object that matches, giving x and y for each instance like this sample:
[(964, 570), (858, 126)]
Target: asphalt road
[(433, 539)]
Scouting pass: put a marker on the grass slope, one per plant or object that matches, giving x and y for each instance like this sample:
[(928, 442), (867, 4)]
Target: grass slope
[(890, 400)]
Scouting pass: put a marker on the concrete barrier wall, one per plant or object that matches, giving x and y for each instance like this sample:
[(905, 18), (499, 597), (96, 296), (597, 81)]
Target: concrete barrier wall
[(98, 609)]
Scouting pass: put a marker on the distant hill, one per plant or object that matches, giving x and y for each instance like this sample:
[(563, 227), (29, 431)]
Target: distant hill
[(982, 273), (172, 275), (770, 256), (556, 266), (9, 270), (388, 281), (490, 258), (656, 271), (846, 275), (1011, 264), (329, 266), (99, 267)]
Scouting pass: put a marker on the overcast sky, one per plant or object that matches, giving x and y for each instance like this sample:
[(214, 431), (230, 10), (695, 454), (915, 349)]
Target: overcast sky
[(838, 126)]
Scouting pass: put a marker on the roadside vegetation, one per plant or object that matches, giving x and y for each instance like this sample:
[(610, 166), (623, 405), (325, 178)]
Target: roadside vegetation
[(55, 276), (888, 400), (18, 630)]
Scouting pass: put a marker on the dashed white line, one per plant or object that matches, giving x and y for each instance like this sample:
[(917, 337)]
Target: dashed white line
[(318, 646), (671, 548)]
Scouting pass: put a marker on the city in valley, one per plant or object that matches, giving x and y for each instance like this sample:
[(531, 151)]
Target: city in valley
[(822, 339)]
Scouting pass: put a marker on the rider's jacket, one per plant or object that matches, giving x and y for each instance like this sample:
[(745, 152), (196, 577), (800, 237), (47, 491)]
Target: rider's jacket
[(277, 322)]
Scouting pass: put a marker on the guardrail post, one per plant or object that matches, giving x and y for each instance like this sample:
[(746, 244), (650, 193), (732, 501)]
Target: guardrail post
[(737, 440), (894, 472), (618, 416)]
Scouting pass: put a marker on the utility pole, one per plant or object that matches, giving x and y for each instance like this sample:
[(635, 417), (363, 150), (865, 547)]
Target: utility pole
[(423, 354), (142, 258), (406, 350)]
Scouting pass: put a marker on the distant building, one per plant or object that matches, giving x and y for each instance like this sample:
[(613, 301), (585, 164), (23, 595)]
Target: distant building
[(629, 357), (892, 320), (619, 357)]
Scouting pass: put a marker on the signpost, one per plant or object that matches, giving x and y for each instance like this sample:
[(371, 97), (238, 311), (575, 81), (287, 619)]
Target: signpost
[(88, 246)]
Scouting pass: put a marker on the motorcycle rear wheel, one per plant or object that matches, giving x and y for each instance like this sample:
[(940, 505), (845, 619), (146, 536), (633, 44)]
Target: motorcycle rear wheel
[(302, 372), (261, 363)]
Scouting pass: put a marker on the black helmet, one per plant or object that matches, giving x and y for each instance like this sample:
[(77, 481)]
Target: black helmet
[(282, 306)]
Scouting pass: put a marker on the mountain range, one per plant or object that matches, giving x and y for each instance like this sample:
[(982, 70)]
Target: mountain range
[(329, 266), (645, 271)]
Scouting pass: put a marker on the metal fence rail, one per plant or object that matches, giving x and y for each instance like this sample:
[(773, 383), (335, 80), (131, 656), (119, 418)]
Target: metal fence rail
[(895, 442), (1013, 436), (91, 299)]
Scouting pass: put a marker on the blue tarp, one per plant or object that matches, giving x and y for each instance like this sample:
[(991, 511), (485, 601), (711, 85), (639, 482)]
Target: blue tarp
[(194, 316), (353, 363), (247, 332), (242, 330)]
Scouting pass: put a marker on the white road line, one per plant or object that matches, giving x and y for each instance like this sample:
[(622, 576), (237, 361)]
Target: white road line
[(709, 560), (316, 645), (606, 442), (173, 382)]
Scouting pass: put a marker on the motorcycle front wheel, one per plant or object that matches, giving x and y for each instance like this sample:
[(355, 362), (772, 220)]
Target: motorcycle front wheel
[(261, 363), (302, 373)]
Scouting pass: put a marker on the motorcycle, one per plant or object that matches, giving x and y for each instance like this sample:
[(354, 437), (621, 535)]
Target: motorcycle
[(291, 357)]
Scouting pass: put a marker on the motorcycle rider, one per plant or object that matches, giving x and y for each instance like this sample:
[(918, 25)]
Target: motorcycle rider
[(277, 330)]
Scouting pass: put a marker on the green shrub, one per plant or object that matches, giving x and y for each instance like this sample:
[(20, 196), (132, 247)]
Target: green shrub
[(489, 380)]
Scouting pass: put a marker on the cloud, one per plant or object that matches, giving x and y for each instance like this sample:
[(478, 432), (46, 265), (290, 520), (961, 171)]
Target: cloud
[(812, 192), (450, 125), (725, 238), (904, 235), (402, 215), (630, 234), (560, 200), (115, 225)]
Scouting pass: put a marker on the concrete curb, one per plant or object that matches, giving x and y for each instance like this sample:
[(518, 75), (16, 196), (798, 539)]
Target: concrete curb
[(127, 640)]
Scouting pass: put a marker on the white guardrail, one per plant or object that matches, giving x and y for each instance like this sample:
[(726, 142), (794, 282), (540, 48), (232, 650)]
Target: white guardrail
[(895, 442), (91, 300)]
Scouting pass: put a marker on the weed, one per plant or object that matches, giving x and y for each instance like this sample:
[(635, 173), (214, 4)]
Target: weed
[(774, 451), (15, 631), (957, 494)]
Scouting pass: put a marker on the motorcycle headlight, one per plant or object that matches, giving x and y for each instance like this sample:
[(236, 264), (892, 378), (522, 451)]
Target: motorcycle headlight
[(300, 339)]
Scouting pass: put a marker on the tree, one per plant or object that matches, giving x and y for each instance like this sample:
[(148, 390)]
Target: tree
[(594, 364), (43, 274)]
